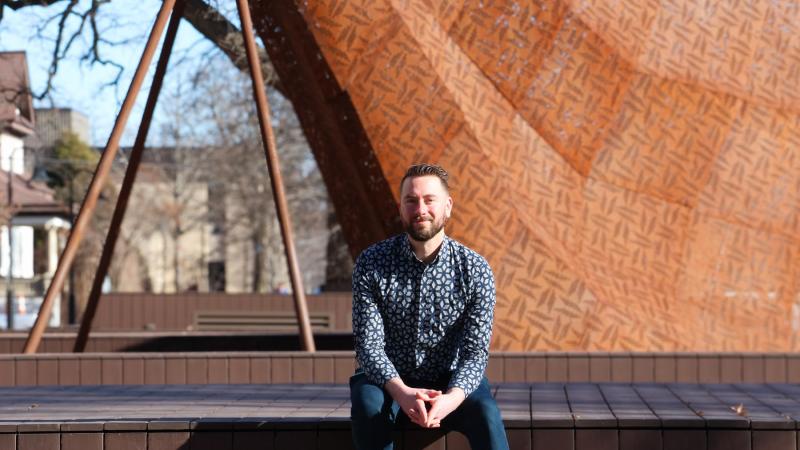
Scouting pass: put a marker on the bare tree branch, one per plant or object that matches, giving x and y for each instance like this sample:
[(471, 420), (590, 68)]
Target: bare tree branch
[(58, 54), (205, 18), (215, 27), (18, 4)]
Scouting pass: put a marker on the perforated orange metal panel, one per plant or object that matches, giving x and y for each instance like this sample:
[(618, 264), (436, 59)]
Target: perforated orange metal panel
[(630, 169)]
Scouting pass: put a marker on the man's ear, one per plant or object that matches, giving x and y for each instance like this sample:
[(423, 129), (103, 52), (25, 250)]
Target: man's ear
[(448, 207)]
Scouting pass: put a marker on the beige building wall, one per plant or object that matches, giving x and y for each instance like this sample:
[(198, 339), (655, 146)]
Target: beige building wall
[(149, 233), (151, 227), (51, 123), (158, 200), (240, 253)]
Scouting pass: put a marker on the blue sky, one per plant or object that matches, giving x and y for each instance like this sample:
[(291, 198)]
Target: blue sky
[(80, 86)]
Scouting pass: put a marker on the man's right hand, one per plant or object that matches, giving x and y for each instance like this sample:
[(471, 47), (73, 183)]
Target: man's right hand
[(413, 401)]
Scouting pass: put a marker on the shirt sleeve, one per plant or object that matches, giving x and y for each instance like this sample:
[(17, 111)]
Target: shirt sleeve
[(474, 350), (368, 328)]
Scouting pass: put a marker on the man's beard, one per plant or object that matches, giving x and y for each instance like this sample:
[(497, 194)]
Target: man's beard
[(423, 235)]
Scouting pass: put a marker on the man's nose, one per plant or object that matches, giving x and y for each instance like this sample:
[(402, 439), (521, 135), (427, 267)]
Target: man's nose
[(422, 209)]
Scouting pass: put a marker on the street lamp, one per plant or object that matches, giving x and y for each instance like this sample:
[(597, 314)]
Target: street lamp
[(9, 278), (11, 210)]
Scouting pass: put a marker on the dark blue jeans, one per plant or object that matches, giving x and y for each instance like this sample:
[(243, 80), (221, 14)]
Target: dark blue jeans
[(374, 414)]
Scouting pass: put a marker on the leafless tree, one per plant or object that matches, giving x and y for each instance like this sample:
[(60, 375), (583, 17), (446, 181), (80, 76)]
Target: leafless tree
[(81, 29), (228, 123)]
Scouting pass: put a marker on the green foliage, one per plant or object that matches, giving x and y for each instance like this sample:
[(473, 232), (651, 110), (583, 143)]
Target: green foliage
[(74, 155), (72, 167)]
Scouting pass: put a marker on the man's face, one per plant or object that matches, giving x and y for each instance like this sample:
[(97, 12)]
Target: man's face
[(425, 206)]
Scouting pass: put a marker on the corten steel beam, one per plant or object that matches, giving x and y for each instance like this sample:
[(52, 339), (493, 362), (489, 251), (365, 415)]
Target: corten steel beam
[(268, 139), (344, 154), (98, 180), (130, 177)]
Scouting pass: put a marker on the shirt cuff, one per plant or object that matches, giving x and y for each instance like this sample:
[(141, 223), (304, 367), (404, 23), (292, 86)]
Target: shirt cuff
[(380, 375), (465, 384)]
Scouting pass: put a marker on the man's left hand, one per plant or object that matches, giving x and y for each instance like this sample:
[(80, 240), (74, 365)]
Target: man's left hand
[(443, 405)]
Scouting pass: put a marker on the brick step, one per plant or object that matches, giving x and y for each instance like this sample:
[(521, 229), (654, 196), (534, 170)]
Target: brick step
[(579, 416)]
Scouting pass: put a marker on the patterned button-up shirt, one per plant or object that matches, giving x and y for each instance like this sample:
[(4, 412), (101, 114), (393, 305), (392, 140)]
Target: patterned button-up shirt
[(423, 321)]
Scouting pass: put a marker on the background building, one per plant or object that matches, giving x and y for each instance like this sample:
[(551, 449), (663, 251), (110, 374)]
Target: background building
[(52, 123), (29, 253)]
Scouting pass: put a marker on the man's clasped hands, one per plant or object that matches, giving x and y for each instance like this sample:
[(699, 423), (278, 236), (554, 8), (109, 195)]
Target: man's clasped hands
[(425, 407)]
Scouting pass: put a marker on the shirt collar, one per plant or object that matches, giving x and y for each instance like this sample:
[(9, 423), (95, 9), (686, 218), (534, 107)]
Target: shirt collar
[(408, 251)]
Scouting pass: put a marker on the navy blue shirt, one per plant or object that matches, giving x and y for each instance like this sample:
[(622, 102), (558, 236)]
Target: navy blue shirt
[(423, 321)]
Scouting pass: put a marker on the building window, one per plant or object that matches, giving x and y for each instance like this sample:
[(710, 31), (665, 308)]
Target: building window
[(40, 251), (216, 276), (23, 251), (216, 207)]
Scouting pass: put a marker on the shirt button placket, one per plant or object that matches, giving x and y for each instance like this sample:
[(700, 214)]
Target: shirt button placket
[(429, 307), (424, 303), (418, 353)]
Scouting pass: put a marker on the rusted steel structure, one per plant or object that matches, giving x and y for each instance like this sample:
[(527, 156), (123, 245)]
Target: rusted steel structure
[(282, 208), (98, 181), (127, 183), (168, 9), (630, 171)]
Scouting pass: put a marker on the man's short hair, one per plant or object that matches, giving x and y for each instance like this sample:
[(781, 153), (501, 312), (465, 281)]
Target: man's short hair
[(422, 170)]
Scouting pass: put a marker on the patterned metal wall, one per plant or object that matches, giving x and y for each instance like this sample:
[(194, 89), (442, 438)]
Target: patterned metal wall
[(630, 169)]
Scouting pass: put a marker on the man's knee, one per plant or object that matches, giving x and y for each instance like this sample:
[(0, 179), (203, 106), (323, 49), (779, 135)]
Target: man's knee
[(367, 400), (367, 406), (481, 422), (483, 408), (372, 412)]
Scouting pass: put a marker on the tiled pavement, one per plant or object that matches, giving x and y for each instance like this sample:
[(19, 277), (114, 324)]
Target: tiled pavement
[(575, 416)]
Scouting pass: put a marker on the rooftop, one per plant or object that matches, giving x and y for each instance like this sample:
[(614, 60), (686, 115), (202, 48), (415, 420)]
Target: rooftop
[(16, 102), (31, 197)]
